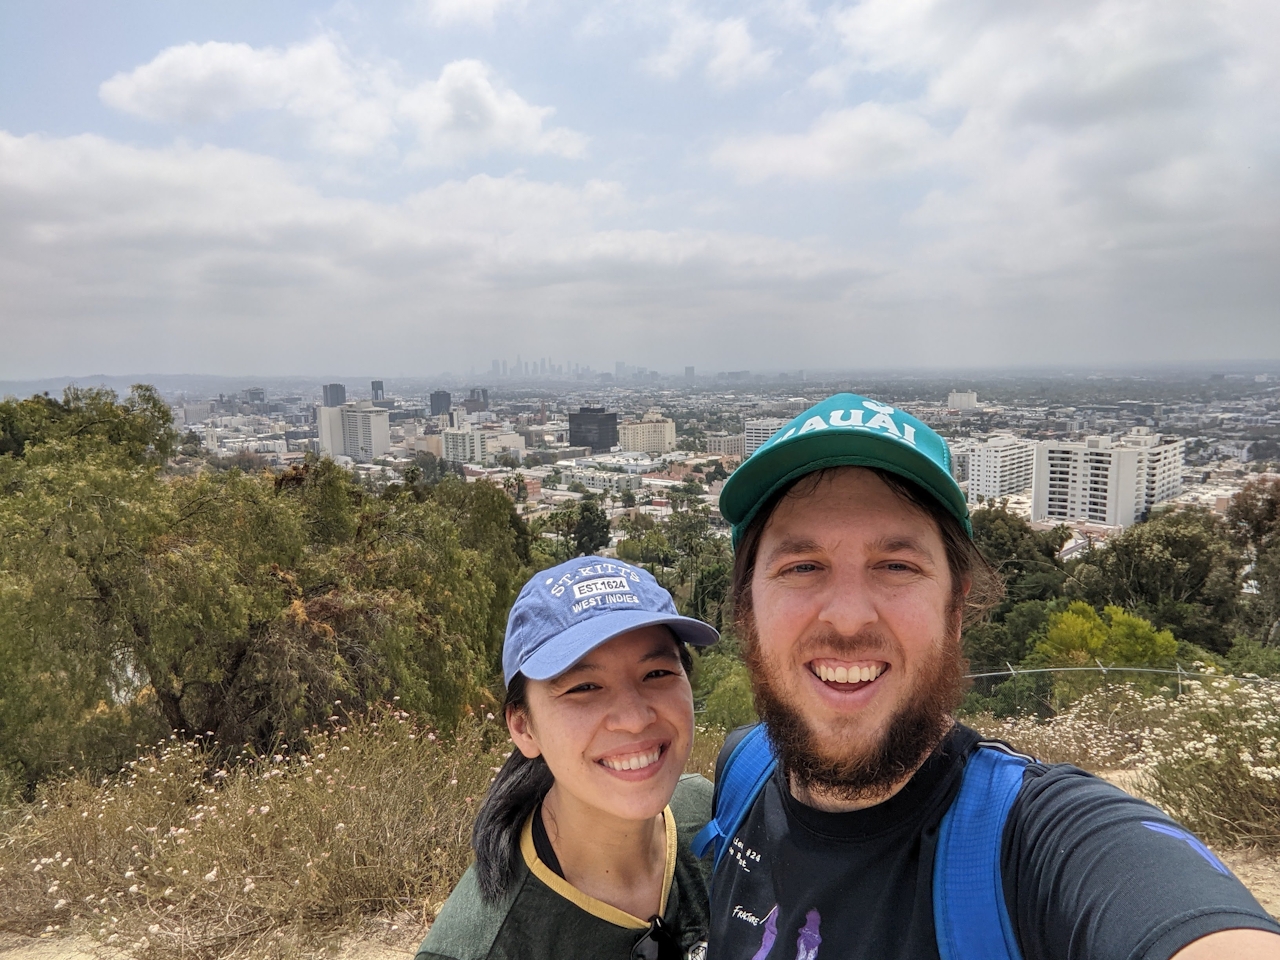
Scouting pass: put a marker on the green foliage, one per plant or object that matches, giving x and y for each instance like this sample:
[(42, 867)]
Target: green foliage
[(1027, 559), (1180, 570), (241, 605), (139, 428), (1078, 636), (730, 704)]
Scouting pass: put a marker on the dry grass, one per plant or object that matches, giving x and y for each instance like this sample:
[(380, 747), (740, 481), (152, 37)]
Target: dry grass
[(1210, 757), (173, 858)]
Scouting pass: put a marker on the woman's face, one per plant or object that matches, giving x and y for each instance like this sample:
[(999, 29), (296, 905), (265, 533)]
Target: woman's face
[(616, 727)]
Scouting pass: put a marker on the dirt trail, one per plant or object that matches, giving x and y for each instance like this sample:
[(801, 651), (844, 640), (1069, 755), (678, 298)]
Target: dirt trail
[(378, 941)]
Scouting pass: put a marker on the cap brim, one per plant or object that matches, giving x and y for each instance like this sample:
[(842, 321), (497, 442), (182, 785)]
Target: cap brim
[(570, 646), (753, 483)]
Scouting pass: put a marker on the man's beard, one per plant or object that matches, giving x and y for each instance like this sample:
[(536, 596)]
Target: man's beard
[(864, 769)]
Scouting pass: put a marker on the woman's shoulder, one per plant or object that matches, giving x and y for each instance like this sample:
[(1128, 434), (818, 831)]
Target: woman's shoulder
[(467, 925), (691, 803)]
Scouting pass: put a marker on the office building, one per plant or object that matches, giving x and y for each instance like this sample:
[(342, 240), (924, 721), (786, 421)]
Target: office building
[(728, 445), (478, 401), (1101, 480), (440, 402), (335, 394), (967, 400), (357, 430), (1002, 466), (688, 375), (654, 434), (378, 392), (758, 432), (593, 427)]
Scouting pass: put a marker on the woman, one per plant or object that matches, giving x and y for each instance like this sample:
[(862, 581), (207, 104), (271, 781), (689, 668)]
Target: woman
[(582, 844)]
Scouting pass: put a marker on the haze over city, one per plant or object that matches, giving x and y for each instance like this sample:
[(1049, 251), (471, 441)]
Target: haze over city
[(420, 187)]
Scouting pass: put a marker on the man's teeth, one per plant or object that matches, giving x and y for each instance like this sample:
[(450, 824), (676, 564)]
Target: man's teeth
[(849, 674), (636, 761)]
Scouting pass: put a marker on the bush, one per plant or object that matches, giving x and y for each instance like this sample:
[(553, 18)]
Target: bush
[(730, 704)]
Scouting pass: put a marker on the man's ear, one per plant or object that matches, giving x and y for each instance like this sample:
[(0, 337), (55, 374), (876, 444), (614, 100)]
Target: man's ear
[(521, 730)]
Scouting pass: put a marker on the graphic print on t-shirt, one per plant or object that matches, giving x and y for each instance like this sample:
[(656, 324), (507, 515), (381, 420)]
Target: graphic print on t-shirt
[(807, 942)]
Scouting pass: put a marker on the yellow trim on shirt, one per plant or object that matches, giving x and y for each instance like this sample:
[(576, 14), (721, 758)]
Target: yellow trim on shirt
[(598, 908)]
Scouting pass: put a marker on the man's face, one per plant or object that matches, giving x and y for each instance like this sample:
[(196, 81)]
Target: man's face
[(855, 652)]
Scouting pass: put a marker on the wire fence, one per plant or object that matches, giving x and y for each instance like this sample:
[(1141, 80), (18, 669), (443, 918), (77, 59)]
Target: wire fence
[(1035, 694)]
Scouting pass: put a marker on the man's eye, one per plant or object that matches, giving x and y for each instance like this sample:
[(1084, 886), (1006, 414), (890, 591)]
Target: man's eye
[(659, 673), (801, 568)]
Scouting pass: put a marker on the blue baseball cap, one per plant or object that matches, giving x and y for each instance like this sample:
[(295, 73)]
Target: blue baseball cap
[(843, 430), (564, 613)]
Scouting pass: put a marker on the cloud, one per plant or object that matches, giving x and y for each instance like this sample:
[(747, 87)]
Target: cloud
[(725, 47), (481, 13), (866, 141), (465, 113), (201, 258), (352, 108)]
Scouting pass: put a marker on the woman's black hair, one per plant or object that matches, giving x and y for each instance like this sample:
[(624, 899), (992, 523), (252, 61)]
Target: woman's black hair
[(517, 790)]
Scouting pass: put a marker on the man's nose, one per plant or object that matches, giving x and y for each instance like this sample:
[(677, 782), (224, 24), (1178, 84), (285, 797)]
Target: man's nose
[(848, 605)]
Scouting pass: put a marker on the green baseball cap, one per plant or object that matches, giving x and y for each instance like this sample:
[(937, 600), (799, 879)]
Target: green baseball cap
[(843, 430)]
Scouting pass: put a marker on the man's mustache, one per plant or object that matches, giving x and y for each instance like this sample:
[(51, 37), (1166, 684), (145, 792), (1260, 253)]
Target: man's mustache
[(863, 645)]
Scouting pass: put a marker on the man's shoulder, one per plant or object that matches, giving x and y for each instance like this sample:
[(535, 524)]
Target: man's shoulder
[(467, 925)]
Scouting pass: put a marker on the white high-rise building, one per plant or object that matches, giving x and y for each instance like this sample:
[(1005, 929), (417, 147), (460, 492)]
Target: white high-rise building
[(655, 434), (357, 430), (758, 432), (1001, 466), (962, 400), (1101, 480)]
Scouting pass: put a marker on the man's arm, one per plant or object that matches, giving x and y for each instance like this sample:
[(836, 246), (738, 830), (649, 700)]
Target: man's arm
[(1090, 871), (1233, 944)]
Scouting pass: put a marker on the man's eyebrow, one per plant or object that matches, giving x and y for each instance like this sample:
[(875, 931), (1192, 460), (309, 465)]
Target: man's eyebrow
[(903, 544), (791, 545)]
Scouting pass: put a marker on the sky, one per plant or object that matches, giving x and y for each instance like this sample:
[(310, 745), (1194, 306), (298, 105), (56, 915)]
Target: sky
[(410, 187)]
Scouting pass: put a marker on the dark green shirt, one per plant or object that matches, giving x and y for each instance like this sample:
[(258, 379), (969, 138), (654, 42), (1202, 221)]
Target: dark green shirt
[(543, 917)]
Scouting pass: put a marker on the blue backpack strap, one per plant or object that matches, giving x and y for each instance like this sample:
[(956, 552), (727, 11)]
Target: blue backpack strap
[(749, 765), (969, 912)]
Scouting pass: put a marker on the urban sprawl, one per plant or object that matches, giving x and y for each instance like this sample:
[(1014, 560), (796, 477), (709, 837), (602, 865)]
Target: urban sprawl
[(1095, 454)]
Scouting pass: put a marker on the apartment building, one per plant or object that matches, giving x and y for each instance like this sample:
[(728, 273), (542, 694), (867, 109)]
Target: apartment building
[(1105, 480), (473, 445), (654, 435), (728, 445), (1002, 466), (602, 481), (358, 430), (756, 433)]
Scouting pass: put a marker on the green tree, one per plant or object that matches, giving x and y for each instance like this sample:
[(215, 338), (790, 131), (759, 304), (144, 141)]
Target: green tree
[(1180, 570), (591, 531)]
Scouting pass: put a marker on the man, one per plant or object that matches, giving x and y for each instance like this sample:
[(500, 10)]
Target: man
[(854, 571)]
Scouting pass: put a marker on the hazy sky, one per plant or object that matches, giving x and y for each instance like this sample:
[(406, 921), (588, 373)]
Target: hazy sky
[(249, 187)]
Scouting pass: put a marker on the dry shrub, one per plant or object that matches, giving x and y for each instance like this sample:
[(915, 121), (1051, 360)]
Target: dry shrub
[(1209, 756), (1103, 730), (707, 742), (261, 858), (1211, 761)]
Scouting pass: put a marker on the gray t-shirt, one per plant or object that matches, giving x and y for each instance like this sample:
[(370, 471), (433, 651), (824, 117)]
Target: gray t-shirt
[(1089, 873)]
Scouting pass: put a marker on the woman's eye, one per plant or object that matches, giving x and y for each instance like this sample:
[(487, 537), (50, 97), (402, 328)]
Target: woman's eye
[(583, 688)]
